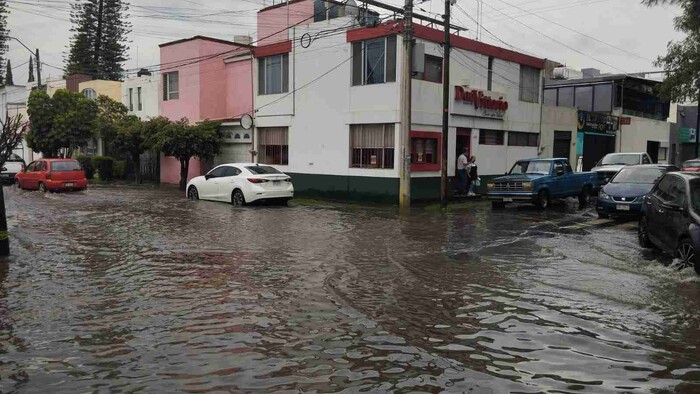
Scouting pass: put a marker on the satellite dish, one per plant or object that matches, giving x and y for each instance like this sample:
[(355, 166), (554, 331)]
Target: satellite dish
[(246, 121)]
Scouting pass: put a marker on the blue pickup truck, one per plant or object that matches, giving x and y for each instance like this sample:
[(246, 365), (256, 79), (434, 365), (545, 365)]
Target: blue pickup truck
[(538, 181)]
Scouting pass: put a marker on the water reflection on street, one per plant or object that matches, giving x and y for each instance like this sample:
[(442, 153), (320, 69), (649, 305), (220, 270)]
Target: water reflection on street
[(125, 289)]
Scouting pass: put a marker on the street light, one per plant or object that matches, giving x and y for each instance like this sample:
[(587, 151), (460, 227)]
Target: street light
[(38, 62)]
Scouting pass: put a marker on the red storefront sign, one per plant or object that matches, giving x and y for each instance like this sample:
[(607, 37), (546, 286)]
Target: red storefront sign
[(480, 100)]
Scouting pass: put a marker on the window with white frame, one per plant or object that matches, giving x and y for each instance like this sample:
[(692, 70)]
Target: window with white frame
[(529, 84), (372, 145), (374, 61), (273, 145), (171, 86), (90, 93), (273, 74)]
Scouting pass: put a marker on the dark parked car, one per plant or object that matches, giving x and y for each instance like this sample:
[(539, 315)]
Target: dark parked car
[(671, 217), (624, 194)]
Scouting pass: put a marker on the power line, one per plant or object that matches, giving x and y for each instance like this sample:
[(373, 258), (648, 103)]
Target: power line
[(575, 31), (557, 41)]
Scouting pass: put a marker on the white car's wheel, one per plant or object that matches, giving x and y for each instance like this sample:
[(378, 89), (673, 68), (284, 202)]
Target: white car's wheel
[(193, 193), (237, 198)]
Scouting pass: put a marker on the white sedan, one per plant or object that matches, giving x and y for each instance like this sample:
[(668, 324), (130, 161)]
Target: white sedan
[(242, 183)]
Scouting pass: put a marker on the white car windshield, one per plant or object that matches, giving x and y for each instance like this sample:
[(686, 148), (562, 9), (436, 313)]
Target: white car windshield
[(620, 159), (531, 167)]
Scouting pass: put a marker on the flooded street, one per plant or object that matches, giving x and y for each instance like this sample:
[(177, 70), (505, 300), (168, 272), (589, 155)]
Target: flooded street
[(126, 290)]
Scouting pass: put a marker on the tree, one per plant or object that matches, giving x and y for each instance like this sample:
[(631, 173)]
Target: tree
[(131, 139), (9, 80), (682, 60), (4, 36), (109, 114), (9, 139), (183, 141), (31, 69), (98, 45), (61, 123)]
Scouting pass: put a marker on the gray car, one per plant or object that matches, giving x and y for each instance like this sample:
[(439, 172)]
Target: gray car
[(609, 165)]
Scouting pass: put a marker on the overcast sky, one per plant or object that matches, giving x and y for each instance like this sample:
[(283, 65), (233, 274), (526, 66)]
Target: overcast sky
[(618, 35)]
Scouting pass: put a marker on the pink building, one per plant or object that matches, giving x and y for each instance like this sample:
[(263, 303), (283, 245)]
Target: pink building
[(207, 78)]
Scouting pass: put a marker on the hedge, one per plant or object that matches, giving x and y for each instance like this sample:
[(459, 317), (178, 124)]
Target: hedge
[(87, 165), (105, 167)]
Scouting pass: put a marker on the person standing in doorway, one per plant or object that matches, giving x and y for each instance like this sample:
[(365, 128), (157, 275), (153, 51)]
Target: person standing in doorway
[(473, 175), (462, 162)]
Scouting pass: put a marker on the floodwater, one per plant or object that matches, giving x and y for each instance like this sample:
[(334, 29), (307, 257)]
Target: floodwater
[(127, 290)]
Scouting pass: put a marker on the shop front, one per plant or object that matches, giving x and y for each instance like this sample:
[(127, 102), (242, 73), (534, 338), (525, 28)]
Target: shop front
[(595, 138)]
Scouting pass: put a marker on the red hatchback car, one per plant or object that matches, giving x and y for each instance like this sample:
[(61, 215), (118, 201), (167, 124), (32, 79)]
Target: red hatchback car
[(52, 175)]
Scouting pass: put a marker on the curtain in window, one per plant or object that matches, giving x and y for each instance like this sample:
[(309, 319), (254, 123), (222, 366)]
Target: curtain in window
[(273, 74), (374, 61), (372, 145), (273, 145)]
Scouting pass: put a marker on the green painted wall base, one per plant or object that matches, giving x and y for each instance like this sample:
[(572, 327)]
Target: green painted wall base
[(380, 190)]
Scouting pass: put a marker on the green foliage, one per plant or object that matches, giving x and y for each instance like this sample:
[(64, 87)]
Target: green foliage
[(87, 165), (105, 167), (31, 69), (130, 136), (9, 79), (119, 169), (63, 122), (109, 114), (682, 60), (100, 34), (184, 141)]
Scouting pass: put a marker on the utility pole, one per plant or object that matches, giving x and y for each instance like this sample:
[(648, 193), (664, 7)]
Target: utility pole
[(697, 122), (405, 172), (444, 185), (38, 70)]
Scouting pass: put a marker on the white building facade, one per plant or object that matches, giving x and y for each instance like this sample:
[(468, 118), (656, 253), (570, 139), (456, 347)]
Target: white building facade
[(140, 96), (328, 109)]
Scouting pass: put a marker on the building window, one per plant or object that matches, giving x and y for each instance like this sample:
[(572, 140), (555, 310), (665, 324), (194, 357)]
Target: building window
[(372, 146), (529, 84), (325, 10), (374, 61), (171, 86), (273, 74), (425, 151), (566, 97), (90, 93), (433, 70), (550, 97), (602, 99), (584, 98), (490, 137), (138, 99), (522, 139), (663, 154), (131, 99), (273, 145), (489, 82)]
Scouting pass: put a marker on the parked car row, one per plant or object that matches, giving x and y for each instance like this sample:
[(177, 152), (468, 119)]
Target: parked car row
[(628, 185)]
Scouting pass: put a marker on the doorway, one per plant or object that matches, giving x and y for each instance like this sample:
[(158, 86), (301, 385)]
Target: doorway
[(562, 144), (653, 150), (464, 140), (595, 146)]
